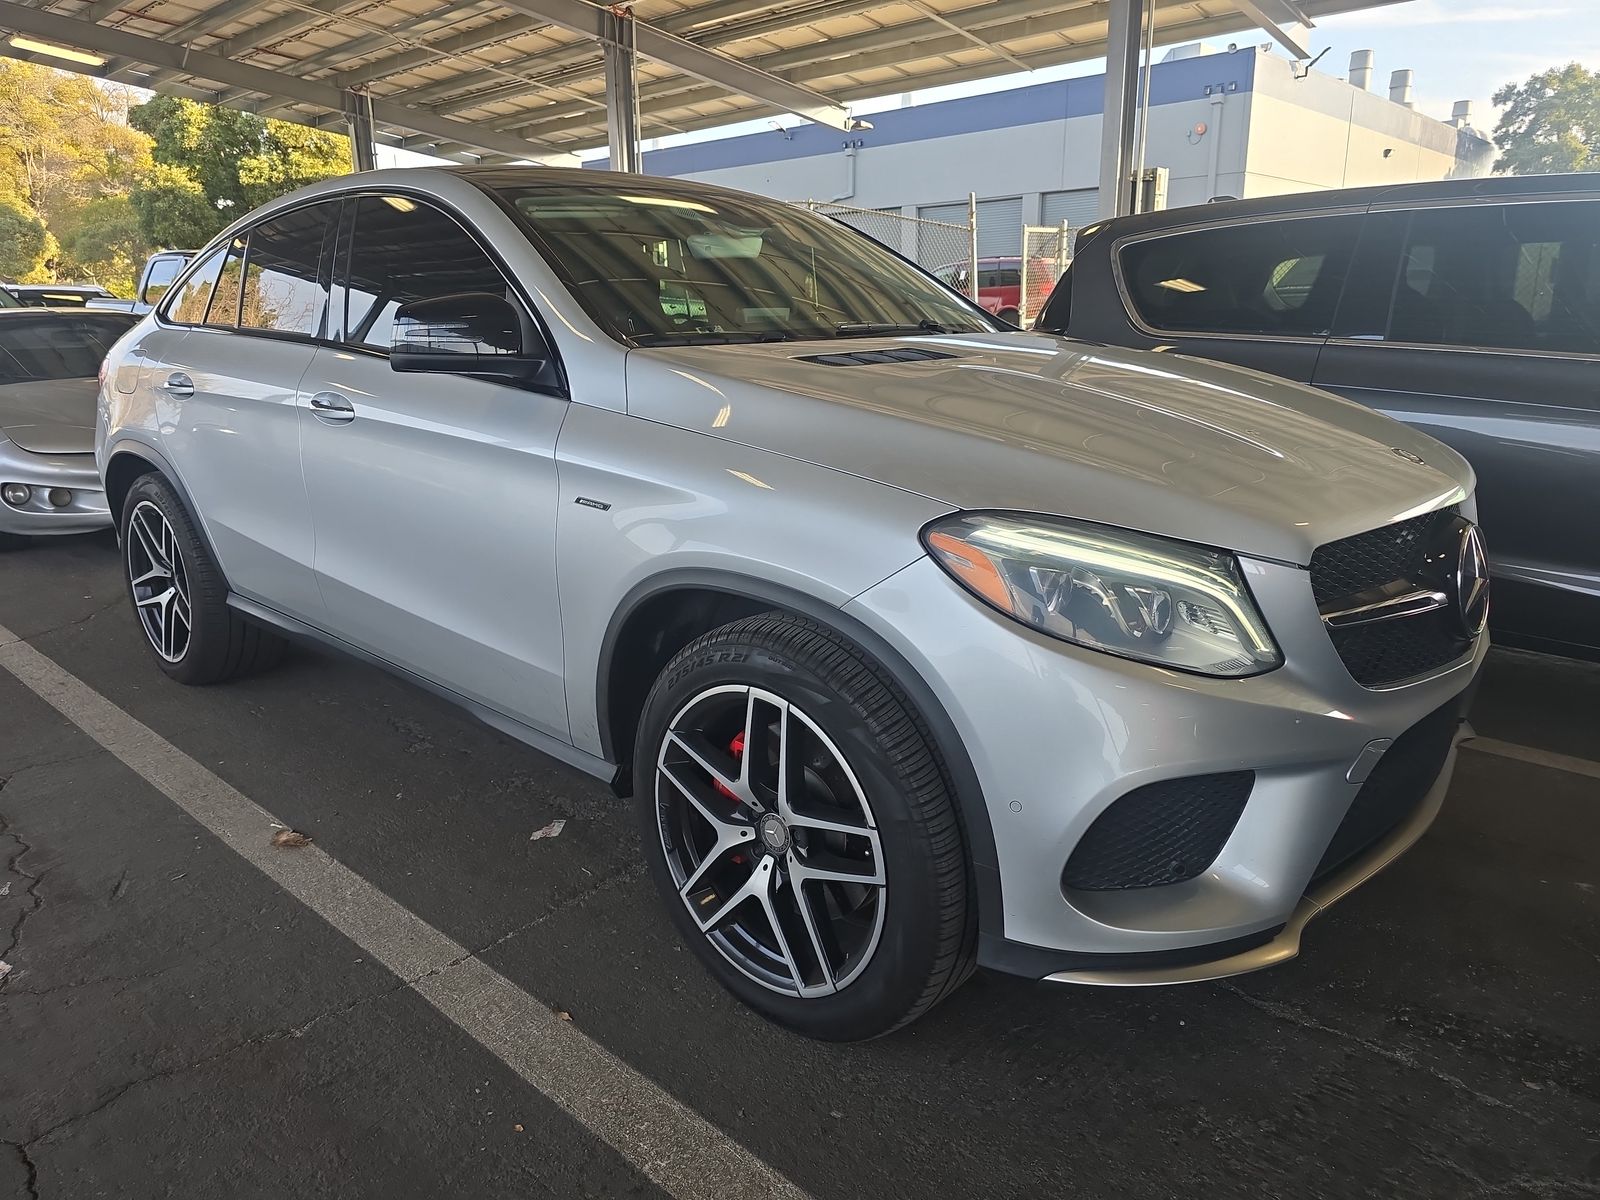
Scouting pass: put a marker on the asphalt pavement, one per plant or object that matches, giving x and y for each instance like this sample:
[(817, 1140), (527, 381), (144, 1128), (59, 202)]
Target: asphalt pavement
[(427, 1002)]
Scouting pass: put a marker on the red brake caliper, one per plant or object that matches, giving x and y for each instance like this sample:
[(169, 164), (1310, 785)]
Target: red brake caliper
[(735, 748)]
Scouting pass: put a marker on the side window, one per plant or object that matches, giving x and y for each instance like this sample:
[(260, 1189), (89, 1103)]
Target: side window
[(189, 306), (1515, 277), (1008, 277), (224, 307), (283, 289), (1271, 277), (404, 250)]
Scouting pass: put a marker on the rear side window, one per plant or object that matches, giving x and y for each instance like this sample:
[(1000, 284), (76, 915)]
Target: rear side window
[(404, 250), (1515, 276), (48, 346), (283, 289), (1266, 278), (189, 306)]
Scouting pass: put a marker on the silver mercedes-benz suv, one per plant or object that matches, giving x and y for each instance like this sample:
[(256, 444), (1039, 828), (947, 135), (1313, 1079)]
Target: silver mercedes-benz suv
[(921, 642)]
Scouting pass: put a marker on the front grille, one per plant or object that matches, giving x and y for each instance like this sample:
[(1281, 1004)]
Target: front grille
[(1158, 834), (1387, 652), (1394, 789)]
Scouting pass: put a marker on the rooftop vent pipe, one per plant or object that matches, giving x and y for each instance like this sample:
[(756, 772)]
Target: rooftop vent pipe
[(1461, 114), (1400, 88), (1361, 69)]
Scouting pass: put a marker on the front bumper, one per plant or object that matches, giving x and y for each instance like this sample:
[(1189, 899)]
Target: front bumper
[(1057, 734), (87, 510)]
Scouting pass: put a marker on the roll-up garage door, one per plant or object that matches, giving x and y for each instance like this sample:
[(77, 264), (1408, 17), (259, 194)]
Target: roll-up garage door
[(938, 245), (1077, 208), (999, 227)]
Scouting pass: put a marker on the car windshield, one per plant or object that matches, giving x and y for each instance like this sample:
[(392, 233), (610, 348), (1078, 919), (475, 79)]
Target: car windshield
[(662, 268), (48, 346)]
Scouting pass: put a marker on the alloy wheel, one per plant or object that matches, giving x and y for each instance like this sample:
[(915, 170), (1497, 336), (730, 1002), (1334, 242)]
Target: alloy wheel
[(770, 839), (159, 582)]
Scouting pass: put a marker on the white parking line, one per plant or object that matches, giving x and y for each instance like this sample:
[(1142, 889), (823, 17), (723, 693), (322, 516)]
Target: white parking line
[(676, 1148), (1540, 758)]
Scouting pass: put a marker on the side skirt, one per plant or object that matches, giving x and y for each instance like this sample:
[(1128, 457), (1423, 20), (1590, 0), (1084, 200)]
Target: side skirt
[(588, 763)]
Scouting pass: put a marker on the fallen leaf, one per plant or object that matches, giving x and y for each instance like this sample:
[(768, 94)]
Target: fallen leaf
[(518, 1128), (551, 830), (5, 968), (290, 838), (5, 888), (563, 1015)]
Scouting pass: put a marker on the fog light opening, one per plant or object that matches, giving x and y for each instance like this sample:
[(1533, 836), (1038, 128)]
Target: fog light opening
[(60, 497), (16, 494)]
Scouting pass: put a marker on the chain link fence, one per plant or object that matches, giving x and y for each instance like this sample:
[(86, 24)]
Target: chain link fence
[(1046, 254), (948, 250)]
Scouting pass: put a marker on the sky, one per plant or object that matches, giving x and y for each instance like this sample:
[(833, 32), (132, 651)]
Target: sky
[(1459, 50)]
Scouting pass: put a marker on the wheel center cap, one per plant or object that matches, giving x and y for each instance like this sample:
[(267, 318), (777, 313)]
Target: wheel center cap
[(774, 833)]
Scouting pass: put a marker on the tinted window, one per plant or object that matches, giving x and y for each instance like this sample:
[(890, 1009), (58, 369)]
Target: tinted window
[(1268, 277), (402, 251), (1008, 277), (189, 307), (282, 287), (1518, 276), (43, 346)]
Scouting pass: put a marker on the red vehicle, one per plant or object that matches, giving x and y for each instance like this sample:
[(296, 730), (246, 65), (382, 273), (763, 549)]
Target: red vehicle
[(1000, 284)]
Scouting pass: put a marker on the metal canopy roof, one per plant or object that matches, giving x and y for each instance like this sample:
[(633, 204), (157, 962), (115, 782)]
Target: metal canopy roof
[(503, 80)]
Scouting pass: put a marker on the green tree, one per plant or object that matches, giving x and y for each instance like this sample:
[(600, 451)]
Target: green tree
[(172, 210), (24, 242), (106, 244), (236, 161), (1551, 122)]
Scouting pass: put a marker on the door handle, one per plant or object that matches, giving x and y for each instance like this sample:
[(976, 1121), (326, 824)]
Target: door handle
[(332, 408), (177, 384)]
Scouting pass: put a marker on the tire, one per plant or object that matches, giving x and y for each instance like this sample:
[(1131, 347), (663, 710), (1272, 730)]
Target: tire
[(1010, 316), (219, 644), (12, 541), (863, 762)]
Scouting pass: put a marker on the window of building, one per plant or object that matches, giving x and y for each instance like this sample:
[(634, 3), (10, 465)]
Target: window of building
[(189, 306), (404, 250), (282, 289), (1514, 276), (1268, 277)]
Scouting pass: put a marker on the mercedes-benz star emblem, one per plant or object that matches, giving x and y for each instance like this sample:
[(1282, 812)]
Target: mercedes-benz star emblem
[(1408, 456), (1471, 581)]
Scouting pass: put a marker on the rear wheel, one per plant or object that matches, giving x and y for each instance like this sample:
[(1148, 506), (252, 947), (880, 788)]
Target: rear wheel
[(179, 595), (800, 828), (1010, 316)]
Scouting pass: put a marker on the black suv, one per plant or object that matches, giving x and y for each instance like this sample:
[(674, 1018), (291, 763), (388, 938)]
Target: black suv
[(1469, 308)]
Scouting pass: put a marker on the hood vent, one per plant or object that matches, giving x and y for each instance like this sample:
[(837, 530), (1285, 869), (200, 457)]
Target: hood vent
[(866, 358)]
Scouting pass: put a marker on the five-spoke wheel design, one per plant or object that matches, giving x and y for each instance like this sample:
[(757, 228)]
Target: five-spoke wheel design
[(160, 584), (770, 840)]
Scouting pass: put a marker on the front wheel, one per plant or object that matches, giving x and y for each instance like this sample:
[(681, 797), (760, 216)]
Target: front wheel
[(801, 829)]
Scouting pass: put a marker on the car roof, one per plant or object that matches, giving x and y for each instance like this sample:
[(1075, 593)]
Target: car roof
[(1443, 190), (72, 311), (92, 288)]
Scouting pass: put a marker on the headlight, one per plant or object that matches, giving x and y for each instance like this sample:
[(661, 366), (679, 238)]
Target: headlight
[(1130, 594)]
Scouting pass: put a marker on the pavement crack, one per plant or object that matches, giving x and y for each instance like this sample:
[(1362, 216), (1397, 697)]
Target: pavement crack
[(1404, 1058), (76, 621), (32, 1172), (33, 901)]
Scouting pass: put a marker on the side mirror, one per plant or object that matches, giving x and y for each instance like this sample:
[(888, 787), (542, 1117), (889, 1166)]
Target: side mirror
[(471, 333)]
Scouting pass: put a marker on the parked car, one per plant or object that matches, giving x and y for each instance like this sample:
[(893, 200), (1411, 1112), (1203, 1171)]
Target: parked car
[(56, 295), (160, 270), (1000, 284), (921, 643), (48, 362), (1469, 309)]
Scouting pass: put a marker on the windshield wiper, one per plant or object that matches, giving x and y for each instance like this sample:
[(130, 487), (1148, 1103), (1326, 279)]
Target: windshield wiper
[(712, 339), (868, 329)]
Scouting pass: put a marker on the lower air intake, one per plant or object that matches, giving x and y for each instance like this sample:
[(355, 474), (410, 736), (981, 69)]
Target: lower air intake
[(1159, 834)]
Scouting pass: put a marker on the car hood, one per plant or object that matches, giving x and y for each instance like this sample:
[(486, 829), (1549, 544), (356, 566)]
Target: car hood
[(49, 416), (1155, 442)]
